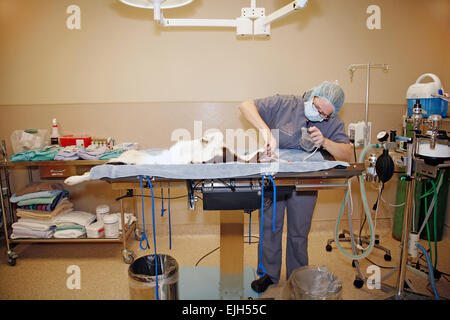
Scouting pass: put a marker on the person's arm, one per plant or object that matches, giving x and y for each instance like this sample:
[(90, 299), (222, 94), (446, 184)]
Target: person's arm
[(250, 112), (340, 151)]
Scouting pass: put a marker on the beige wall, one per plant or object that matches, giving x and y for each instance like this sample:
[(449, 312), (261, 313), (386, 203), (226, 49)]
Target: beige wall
[(126, 77), (121, 55)]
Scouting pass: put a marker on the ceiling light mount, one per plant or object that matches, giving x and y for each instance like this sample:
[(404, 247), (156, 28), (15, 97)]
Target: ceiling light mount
[(252, 22)]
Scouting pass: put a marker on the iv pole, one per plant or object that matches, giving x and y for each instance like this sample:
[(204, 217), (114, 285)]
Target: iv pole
[(352, 68)]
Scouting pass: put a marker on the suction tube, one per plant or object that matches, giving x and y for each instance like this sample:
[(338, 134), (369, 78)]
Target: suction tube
[(366, 210)]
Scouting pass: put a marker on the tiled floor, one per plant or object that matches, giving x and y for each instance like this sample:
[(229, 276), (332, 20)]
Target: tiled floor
[(41, 269)]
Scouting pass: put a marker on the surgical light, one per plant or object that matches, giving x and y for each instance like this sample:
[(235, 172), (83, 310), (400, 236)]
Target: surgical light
[(164, 4), (253, 20)]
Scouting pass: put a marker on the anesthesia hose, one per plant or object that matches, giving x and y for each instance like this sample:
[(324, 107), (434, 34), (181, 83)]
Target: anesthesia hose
[(430, 270), (261, 271), (154, 236), (144, 240), (366, 210)]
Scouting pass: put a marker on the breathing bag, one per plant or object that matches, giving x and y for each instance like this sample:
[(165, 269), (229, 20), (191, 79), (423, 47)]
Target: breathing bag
[(384, 167)]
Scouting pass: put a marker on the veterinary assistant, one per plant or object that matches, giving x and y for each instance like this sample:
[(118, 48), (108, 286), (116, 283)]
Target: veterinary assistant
[(306, 122)]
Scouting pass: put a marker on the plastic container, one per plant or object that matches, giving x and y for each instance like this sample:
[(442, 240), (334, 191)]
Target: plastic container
[(111, 225), (71, 140), (142, 279), (31, 139), (101, 211), (95, 230), (313, 283), (426, 93)]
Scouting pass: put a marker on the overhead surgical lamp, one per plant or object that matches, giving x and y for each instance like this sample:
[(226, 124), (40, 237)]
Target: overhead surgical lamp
[(244, 24)]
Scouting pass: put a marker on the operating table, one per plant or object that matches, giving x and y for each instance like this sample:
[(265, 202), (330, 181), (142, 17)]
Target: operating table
[(224, 187)]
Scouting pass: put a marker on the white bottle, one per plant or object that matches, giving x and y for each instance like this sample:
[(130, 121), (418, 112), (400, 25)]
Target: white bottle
[(101, 211), (54, 139), (111, 225)]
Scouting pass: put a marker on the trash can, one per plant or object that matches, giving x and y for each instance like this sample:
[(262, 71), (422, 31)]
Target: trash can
[(142, 279), (313, 283)]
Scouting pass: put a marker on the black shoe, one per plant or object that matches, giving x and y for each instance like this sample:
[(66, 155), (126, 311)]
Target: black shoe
[(261, 284)]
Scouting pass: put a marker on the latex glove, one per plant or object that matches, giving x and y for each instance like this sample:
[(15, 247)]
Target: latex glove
[(316, 136)]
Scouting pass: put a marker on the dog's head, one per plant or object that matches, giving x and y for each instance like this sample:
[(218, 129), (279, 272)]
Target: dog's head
[(214, 137)]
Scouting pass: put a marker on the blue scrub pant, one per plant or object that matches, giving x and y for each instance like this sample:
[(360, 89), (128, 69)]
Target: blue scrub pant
[(300, 208)]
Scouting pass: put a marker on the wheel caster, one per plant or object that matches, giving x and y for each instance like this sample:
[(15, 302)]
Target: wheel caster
[(12, 262), (128, 256), (387, 257), (328, 248), (341, 236), (377, 241), (358, 283)]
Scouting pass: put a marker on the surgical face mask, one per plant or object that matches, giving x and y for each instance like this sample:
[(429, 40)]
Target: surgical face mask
[(311, 112)]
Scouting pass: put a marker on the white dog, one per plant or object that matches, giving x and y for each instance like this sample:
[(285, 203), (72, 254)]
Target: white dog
[(209, 149)]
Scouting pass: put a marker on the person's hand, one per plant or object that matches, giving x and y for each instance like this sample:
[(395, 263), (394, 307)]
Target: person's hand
[(316, 136)]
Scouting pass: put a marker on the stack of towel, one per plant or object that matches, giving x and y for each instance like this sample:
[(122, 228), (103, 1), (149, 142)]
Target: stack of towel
[(73, 224), (68, 224), (39, 203), (92, 152)]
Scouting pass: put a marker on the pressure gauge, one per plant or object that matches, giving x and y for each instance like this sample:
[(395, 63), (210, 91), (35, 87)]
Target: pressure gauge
[(382, 136)]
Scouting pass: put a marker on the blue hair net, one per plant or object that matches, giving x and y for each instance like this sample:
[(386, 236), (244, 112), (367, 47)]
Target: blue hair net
[(330, 91)]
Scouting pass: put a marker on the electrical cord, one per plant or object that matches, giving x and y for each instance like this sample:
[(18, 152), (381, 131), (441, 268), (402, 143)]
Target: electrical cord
[(214, 250), (155, 197), (375, 207), (233, 188), (211, 252), (380, 266)]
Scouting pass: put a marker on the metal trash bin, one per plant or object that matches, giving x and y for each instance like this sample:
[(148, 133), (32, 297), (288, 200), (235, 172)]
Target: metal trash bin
[(142, 280), (313, 283)]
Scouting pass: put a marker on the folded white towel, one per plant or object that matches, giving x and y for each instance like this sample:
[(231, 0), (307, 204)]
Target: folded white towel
[(30, 226), (78, 217), (69, 233), (27, 233), (46, 222)]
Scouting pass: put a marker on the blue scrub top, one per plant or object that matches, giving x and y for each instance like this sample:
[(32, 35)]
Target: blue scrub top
[(287, 113)]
